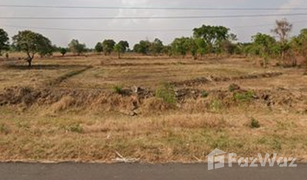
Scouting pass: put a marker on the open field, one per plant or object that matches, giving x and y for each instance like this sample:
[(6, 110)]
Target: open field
[(99, 108)]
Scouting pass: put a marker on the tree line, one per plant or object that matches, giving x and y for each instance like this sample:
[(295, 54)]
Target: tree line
[(206, 40)]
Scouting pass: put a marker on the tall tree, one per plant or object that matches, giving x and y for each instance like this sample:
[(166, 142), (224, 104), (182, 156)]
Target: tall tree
[(32, 43), (212, 35), (121, 47), (282, 30), (4, 41), (108, 46)]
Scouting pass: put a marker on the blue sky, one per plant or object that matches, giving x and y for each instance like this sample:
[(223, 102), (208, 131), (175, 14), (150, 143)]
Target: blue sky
[(243, 27)]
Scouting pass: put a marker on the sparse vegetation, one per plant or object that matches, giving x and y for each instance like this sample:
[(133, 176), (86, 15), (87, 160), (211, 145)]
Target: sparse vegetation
[(166, 92)]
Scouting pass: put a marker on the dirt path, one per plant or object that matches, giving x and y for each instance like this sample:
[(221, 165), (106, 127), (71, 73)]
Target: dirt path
[(59, 80)]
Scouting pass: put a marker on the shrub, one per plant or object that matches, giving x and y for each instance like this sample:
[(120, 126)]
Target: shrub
[(74, 128), (216, 105), (4, 129), (118, 89), (234, 87), (244, 97), (254, 123), (166, 93), (204, 94)]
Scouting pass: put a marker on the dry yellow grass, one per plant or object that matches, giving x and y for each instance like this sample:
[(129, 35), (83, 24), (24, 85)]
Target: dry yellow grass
[(83, 126), (171, 136)]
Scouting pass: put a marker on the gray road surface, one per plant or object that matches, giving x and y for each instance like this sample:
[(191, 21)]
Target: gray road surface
[(75, 171)]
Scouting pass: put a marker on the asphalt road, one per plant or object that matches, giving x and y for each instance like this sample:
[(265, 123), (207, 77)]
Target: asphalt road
[(73, 171)]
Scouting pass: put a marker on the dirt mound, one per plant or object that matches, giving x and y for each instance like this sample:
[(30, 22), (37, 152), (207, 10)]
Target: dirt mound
[(17, 95), (62, 99), (204, 80), (139, 100)]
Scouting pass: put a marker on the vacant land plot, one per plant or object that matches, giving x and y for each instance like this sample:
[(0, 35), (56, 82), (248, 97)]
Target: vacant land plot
[(151, 109)]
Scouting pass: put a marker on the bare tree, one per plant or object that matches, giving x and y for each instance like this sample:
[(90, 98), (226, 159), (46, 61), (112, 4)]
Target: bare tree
[(282, 30)]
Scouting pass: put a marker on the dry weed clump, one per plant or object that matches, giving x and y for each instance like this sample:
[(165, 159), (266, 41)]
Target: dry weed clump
[(65, 103), (114, 102), (191, 100), (153, 105)]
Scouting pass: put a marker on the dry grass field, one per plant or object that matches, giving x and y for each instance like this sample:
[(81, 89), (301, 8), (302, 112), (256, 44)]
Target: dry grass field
[(150, 109)]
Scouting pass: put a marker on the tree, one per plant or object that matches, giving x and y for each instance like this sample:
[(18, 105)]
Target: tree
[(108, 46), (229, 46), (299, 44), (193, 48), (156, 47), (4, 41), (282, 30), (167, 50), (121, 47), (201, 46), (76, 47), (263, 43), (181, 46), (212, 35), (47, 51), (99, 47), (32, 43), (142, 47), (63, 51)]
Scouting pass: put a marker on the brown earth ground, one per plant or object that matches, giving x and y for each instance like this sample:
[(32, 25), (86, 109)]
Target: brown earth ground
[(65, 109)]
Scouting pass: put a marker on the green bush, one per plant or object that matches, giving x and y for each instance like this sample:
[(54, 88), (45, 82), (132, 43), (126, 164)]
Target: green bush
[(74, 128), (118, 89), (254, 123), (244, 97), (166, 92), (204, 94)]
